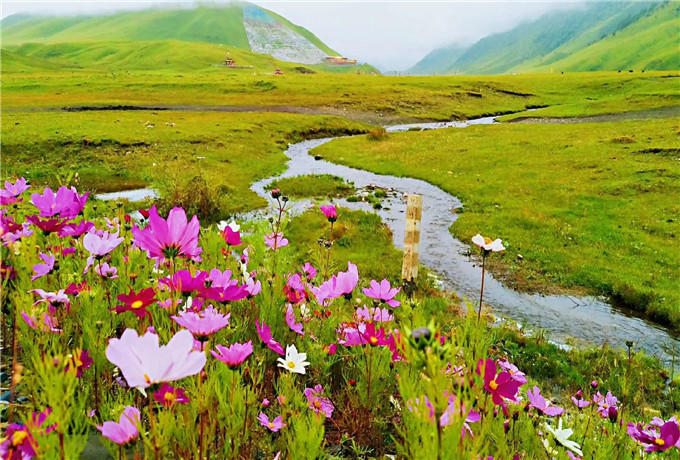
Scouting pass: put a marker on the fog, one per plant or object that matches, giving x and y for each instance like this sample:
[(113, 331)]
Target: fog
[(390, 35)]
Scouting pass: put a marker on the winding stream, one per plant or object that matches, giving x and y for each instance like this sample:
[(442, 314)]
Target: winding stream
[(585, 320)]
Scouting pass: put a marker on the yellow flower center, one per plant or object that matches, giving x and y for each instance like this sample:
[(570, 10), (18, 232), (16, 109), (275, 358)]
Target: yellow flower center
[(605, 405), (487, 240), (77, 362), (169, 397), (147, 379), (317, 404), (374, 340), (271, 426), (19, 437), (137, 304), (493, 385), (291, 364), (659, 442)]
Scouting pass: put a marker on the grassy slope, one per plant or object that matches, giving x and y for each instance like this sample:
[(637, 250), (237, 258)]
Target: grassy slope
[(581, 203), (319, 186), (652, 42), (223, 25), (15, 62), (116, 150), (438, 61)]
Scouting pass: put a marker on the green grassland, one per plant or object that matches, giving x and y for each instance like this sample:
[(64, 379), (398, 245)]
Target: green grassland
[(314, 186), (590, 205), (120, 150)]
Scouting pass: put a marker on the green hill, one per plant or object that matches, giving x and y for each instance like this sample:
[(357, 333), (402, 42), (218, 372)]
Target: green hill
[(650, 43), (15, 62), (239, 25), (435, 61), (600, 36)]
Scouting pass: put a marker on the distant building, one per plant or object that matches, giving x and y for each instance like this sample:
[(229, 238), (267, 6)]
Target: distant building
[(278, 71), (228, 61), (339, 60)]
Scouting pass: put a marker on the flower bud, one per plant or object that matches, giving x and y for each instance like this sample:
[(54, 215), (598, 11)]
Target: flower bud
[(276, 193)]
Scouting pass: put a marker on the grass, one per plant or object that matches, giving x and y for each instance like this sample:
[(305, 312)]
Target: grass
[(123, 150), (584, 208), (315, 186)]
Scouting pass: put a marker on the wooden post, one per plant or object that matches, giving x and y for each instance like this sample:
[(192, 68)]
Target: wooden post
[(414, 211)]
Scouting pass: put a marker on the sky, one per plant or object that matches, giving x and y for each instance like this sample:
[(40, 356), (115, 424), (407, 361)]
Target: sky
[(391, 35)]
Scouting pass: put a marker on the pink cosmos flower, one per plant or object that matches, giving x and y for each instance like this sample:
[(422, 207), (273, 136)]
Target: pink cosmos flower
[(309, 270), (41, 270), (9, 194), (345, 282), (317, 402), (234, 355), (80, 360), (656, 440), (252, 287), (514, 372), (19, 441), (274, 425), (24, 232), (52, 299), (275, 241), (396, 345), (99, 246), (290, 320), (49, 323), (538, 402), (47, 225), (294, 289), (75, 230), (182, 281), (500, 386), (265, 334), (168, 396), (66, 203), (450, 412), (167, 239), (330, 212), (106, 271), (125, 430), (380, 315), (230, 293), (222, 279), (384, 292), (580, 402), (143, 362), (204, 323), (605, 403)]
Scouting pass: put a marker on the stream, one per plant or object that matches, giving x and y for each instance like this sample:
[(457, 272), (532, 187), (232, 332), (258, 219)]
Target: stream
[(567, 319)]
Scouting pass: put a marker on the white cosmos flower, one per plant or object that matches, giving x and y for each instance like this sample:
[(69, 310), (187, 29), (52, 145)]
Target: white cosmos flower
[(294, 361), (562, 437), (488, 245), (232, 225)]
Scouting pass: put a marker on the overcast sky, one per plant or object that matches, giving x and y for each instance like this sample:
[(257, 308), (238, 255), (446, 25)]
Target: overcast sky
[(391, 35)]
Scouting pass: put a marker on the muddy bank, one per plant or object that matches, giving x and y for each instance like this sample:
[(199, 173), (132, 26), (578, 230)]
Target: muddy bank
[(662, 112)]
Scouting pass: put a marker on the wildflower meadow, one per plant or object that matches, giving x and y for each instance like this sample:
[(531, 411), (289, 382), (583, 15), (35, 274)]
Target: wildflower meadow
[(158, 336)]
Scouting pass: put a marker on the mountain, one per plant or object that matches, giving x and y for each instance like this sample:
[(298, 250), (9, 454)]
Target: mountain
[(599, 36), (435, 61), (239, 25)]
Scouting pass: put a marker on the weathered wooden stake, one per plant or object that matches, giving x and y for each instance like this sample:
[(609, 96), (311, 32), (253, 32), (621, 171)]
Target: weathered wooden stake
[(414, 211)]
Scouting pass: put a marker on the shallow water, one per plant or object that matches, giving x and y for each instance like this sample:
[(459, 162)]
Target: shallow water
[(567, 319), (130, 195)]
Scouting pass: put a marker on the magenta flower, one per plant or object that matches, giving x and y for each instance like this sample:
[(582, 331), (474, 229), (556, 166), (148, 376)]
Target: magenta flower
[(47, 225), (317, 402), (234, 355), (265, 334), (80, 360), (24, 232), (143, 362), (656, 440), (182, 281), (274, 425), (41, 270), (18, 442), (538, 402), (125, 430), (220, 278), (499, 386), (290, 320), (330, 212), (168, 396), (75, 230), (230, 293), (99, 246), (167, 239), (294, 289), (204, 323), (231, 237), (580, 402), (52, 299), (373, 336), (253, 287), (275, 241), (136, 302), (9, 194), (309, 270), (447, 417), (383, 292)]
